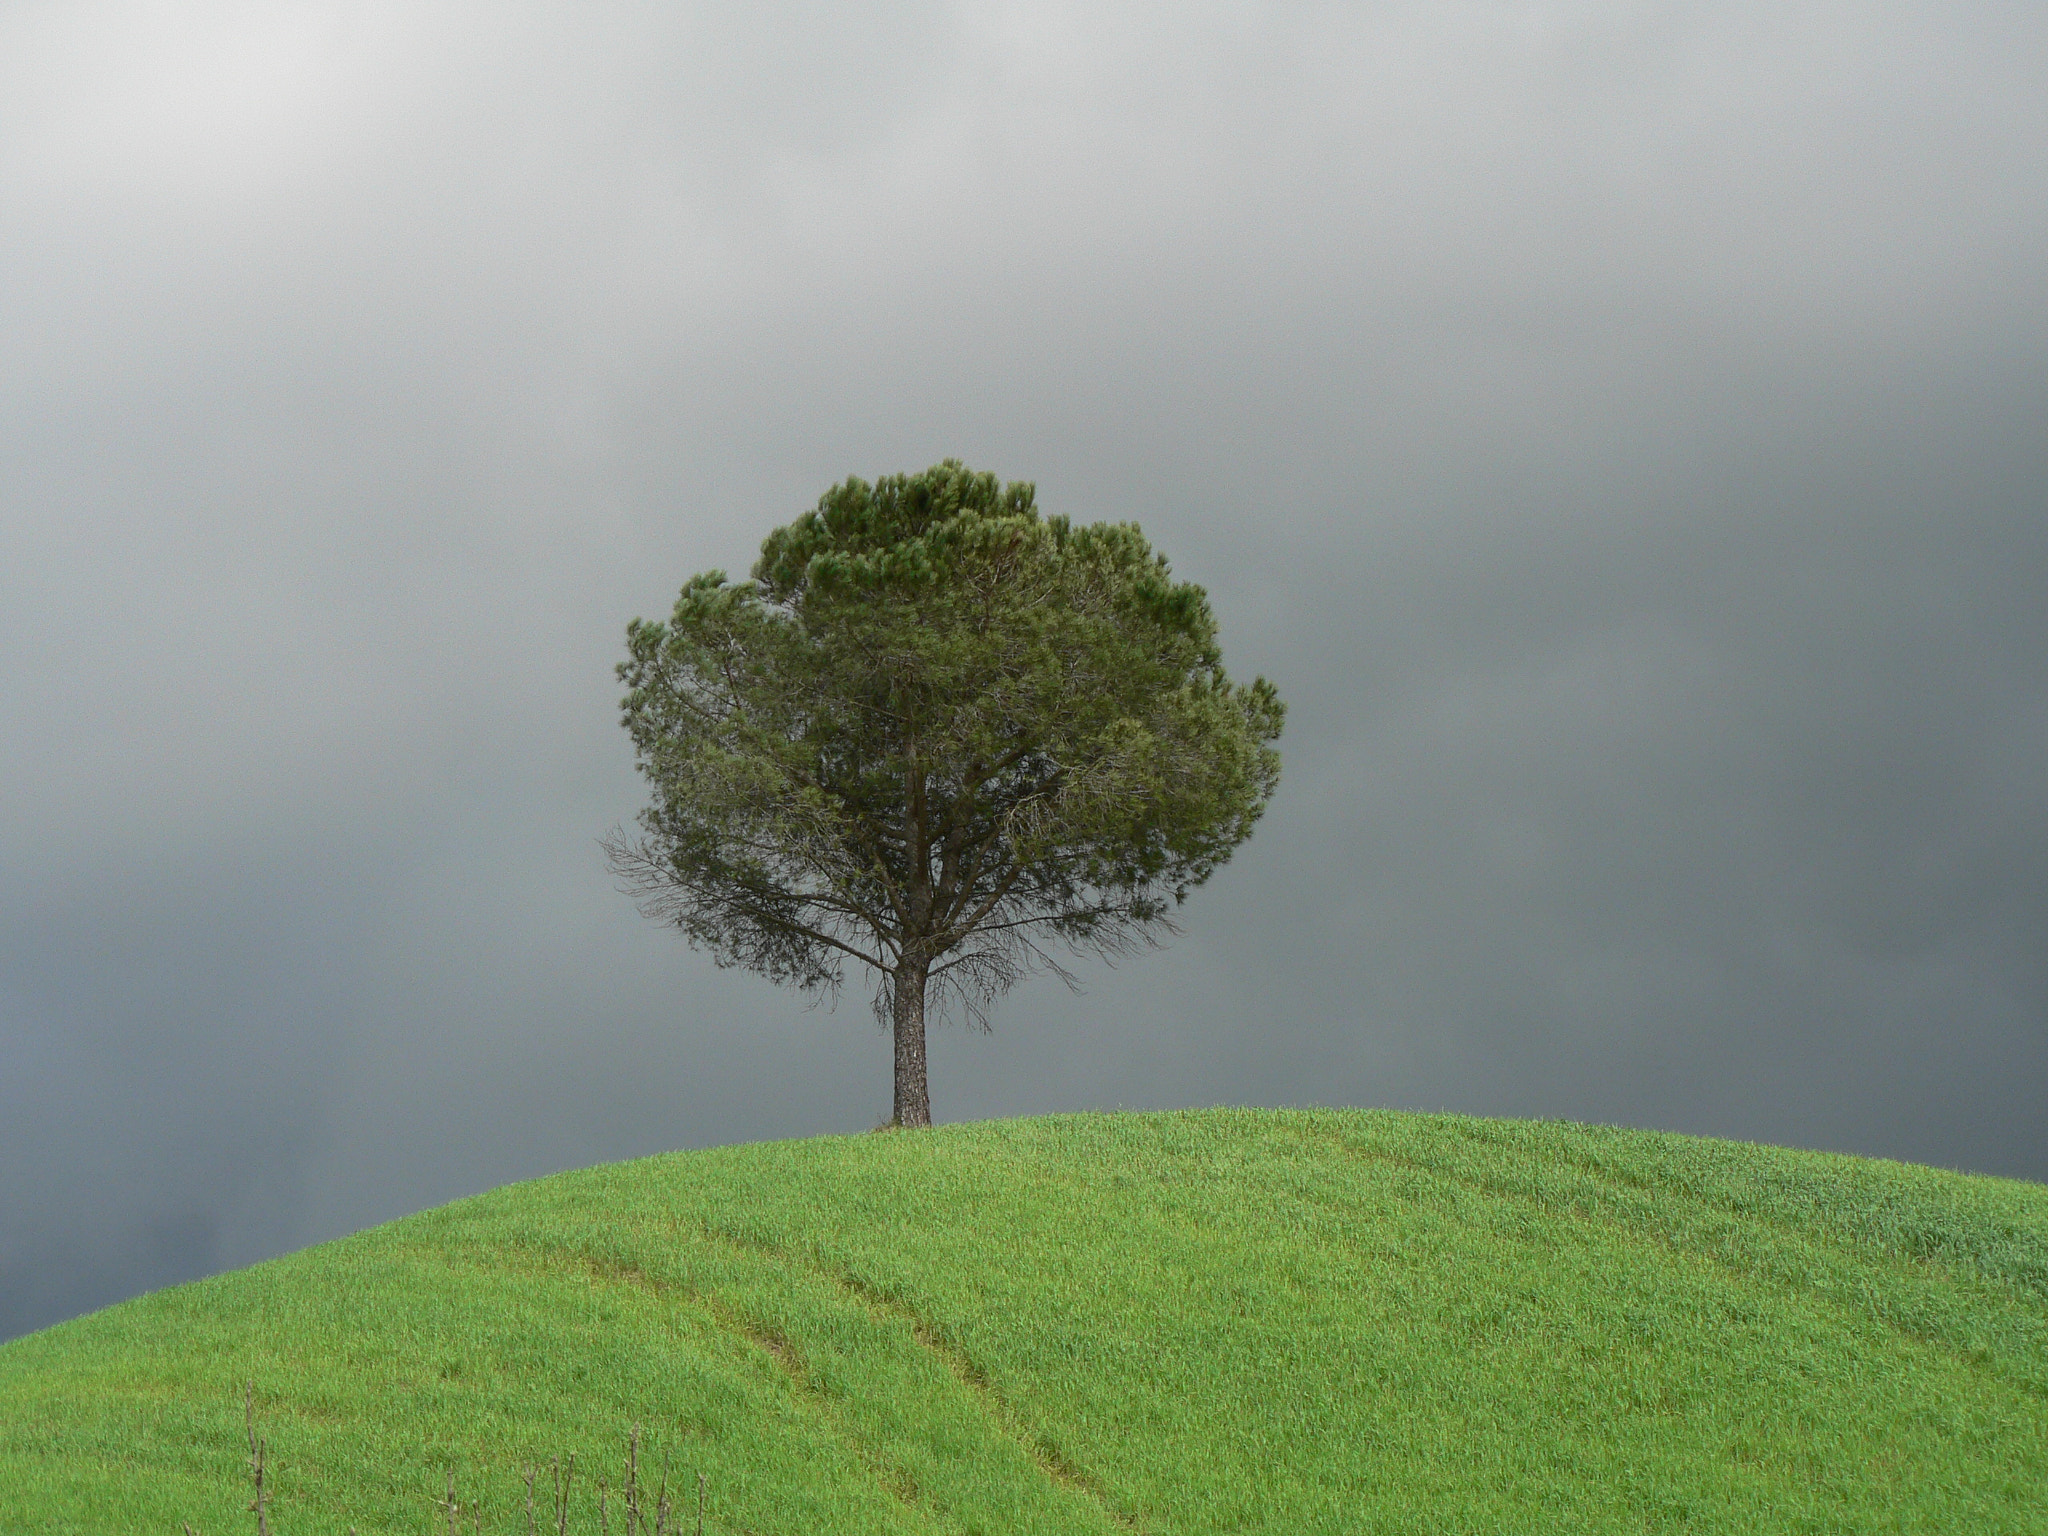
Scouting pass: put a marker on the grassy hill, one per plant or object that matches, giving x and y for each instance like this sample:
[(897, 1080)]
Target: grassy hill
[(1284, 1322)]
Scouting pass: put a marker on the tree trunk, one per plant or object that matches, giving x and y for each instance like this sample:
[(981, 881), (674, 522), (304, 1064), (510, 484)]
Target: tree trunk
[(913, 1095)]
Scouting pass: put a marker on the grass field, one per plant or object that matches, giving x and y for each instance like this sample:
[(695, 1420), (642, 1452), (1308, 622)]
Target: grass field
[(1228, 1320)]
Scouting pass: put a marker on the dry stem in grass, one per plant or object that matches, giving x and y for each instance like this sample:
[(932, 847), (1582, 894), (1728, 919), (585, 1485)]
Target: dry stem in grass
[(256, 1449), (561, 1472), (633, 1521)]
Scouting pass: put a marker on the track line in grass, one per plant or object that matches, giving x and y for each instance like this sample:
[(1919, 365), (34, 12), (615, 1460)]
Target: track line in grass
[(784, 1366), (743, 1308), (2011, 1297), (1603, 1152), (1820, 1235), (2002, 1307), (1479, 1185), (1910, 1275), (1775, 1278), (1000, 1414), (788, 1365), (1605, 1222), (893, 1479)]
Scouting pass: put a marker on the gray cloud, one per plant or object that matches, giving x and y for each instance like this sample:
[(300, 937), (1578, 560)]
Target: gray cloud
[(1615, 427)]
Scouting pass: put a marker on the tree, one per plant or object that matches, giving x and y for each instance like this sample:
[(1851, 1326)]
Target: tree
[(941, 736)]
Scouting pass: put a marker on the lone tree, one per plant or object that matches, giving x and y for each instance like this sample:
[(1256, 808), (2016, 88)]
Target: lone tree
[(942, 736)]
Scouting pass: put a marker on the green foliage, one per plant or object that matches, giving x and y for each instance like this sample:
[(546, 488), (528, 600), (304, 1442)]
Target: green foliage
[(934, 732), (1219, 1321)]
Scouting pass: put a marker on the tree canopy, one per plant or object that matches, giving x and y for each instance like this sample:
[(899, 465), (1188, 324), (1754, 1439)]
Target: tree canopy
[(940, 735)]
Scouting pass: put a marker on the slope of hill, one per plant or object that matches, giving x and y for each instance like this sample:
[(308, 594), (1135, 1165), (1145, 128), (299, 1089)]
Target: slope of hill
[(1227, 1320)]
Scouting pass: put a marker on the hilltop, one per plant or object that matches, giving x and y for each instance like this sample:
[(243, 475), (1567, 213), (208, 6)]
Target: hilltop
[(1226, 1320)]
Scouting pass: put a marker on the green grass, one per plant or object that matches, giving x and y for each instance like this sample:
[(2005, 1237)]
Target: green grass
[(1228, 1320)]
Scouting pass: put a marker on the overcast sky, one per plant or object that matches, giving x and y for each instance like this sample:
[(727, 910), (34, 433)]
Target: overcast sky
[(1616, 427)]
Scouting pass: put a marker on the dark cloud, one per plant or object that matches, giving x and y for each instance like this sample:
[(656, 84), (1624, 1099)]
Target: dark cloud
[(1616, 428)]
